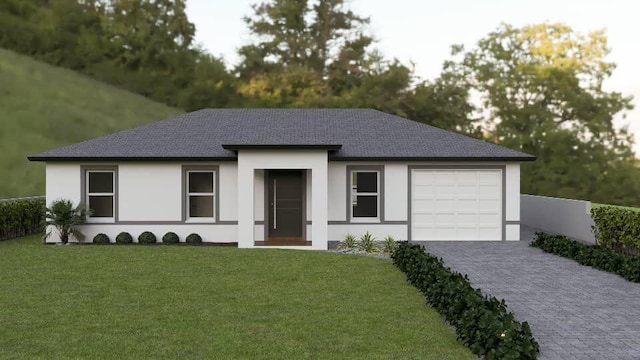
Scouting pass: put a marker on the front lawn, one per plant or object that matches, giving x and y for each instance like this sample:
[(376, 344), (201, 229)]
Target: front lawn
[(210, 302)]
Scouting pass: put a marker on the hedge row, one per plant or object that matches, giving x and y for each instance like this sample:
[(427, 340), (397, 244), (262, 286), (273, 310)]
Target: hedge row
[(146, 237), (596, 256), (21, 217), (482, 322), (617, 229)]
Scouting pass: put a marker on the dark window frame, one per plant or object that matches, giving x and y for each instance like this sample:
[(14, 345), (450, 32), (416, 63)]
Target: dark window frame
[(186, 216), (379, 169), (85, 171)]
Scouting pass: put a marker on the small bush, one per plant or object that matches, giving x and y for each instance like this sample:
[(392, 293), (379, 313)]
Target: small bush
[(21, 217), (193, 239), (170, 238), (349, 242), (596, 256), (147, 237), (482, 322), (389, 245), (617, 229), (101, 239), (124, 238), (367, 242)]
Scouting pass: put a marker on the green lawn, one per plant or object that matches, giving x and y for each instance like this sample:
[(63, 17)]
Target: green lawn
[(43, 107), (210, 302)]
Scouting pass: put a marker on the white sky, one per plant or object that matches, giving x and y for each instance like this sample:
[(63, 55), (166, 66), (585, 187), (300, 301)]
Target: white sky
[(422, 31)]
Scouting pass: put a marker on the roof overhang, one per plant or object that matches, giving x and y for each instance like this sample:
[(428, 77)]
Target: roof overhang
[(236, 147)]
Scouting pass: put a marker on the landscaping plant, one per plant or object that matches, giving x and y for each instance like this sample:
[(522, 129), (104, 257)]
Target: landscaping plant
[(193, 239), (617, 229), (349, 242), (170, 238), (482, 322), (65, 217), (124, 238), (595, 256), (367, 242), (21, 217), (389, 245), (147, 237), (101, 239)]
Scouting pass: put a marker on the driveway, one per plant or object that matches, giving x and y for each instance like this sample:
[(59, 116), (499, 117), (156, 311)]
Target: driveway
[(575, 312)]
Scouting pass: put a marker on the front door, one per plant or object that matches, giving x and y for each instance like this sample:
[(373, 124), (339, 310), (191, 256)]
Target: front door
[(285, 206)]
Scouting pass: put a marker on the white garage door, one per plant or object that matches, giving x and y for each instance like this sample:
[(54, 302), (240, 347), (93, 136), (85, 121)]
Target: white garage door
[(456, 204)]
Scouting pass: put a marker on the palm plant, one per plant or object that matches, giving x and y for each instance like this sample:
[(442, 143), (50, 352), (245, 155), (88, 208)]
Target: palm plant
[(367, 242), (349, 242), (390, 244), (65, 217)]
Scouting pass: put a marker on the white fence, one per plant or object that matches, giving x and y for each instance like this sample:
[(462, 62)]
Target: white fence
[(571, 218)]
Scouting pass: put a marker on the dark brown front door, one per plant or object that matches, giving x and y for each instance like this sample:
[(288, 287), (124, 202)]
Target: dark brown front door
[(285, 205)]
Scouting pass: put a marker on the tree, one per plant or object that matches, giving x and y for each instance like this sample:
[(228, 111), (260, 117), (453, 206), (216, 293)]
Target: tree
[(541, 88), (65, 218)]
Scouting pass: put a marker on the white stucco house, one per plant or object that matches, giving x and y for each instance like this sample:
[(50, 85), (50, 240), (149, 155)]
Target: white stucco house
[(292, 178)]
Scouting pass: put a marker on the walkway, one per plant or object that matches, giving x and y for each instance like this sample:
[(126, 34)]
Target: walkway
[(575, 312)]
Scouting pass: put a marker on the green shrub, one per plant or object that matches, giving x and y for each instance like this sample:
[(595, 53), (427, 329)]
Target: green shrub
[(193, 239), (349, 242), (147, 237), (101, 239), (21, 217), (170, 238), (595, 256), (482, 322), (124, 238), (367, 242), (389, 245), (617, 229)]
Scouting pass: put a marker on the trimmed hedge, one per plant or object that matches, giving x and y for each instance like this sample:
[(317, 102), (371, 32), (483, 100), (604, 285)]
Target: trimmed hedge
[(595, 256), (124, 238), (21, 218), (101, 239), (617, 229), (482, 322), (193, 239), (170, 238), (147, 237)]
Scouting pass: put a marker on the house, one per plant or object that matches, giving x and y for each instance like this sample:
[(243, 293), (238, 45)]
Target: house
[(293, 178)]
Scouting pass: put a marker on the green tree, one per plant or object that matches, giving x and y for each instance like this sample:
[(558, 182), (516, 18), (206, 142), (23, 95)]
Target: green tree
[(541, 88)]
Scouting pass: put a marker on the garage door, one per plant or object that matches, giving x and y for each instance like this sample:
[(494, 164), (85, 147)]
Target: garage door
[(456, 204)]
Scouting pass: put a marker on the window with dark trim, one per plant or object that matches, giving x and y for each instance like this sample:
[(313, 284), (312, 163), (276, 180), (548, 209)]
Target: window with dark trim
[(100, 195), (200, 195), (365, 194)]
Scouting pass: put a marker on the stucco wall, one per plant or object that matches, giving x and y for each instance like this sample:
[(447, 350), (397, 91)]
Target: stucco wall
[(567, 217)]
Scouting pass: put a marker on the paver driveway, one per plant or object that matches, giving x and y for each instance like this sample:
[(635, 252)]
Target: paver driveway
[(575, 312)]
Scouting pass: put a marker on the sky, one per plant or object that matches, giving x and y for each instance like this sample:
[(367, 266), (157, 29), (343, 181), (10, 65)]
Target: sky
[(422, 32)]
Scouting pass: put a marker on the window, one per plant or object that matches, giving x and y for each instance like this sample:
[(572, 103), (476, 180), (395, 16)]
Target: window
[(200, 197), (100, 195), (365, 194)]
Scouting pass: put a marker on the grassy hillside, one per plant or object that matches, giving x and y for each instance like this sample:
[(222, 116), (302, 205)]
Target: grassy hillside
[(44, 107)]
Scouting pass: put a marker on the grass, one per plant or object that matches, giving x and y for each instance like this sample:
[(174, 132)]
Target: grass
[(43, 107), (151, 302)]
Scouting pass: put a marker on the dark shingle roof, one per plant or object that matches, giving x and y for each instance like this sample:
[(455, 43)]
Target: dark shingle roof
[(364, 134)]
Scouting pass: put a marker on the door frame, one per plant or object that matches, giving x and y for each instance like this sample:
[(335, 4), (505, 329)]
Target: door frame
[(267, 208)]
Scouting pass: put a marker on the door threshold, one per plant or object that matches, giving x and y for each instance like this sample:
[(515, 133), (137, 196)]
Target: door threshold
[(283, 242)]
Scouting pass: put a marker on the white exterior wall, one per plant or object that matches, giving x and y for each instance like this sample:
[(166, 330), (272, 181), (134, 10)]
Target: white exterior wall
[(151, 193), (143, 192)]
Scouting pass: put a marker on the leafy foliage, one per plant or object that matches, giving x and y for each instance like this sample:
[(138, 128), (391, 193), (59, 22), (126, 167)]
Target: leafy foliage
[(101, 239), (124, 238), (541, 87), (595, 256), (617, 229), (147, 237), (367, 242), (21, 217), (193, 239), (170, 238), (482, 322), (389, 245), (65, 218), (349, 242)]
